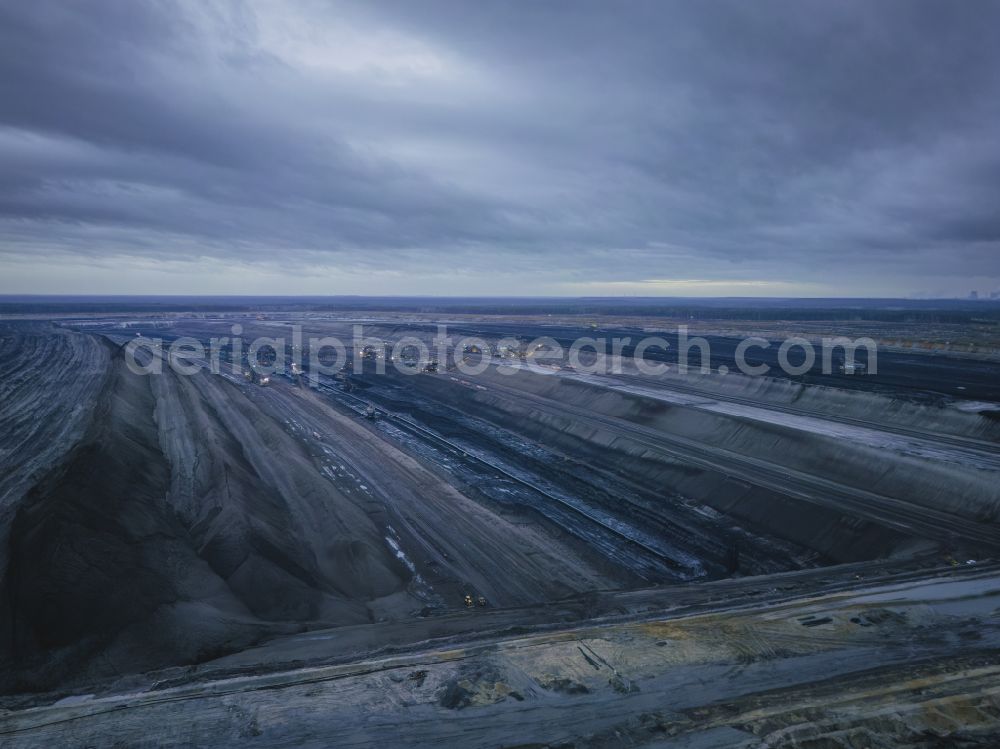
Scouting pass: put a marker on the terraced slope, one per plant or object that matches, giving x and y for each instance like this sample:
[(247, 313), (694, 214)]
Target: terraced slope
[(179, 525), (171, 518), (49, 381)]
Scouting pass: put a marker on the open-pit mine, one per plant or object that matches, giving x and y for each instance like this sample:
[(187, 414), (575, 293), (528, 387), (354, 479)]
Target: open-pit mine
[(419, 542)]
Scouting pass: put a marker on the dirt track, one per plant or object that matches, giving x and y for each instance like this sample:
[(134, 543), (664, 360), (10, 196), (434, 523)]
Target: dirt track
[(814, 671)]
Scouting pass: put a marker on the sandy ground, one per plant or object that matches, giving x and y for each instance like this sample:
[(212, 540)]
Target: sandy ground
[(453, 538), (837, 670)]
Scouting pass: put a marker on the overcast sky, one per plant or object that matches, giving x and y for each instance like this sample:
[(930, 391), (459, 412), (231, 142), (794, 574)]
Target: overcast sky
[(506, 148)]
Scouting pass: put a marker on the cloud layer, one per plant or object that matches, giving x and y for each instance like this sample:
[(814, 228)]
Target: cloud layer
[(500, 148)]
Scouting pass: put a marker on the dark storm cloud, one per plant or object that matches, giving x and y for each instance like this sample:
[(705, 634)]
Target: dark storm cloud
[(585, 142)]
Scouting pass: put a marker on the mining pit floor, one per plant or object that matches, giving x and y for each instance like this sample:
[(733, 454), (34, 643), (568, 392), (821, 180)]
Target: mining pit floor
[(689, 560)]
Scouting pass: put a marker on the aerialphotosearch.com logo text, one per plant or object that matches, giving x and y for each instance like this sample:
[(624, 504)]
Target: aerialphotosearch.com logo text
[(314, 357)]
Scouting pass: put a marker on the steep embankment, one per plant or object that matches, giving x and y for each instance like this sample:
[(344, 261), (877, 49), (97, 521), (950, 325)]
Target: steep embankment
[(49, 381), (182, 524), (96, 556), (960, 418), (288, 543), (846, 499)]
